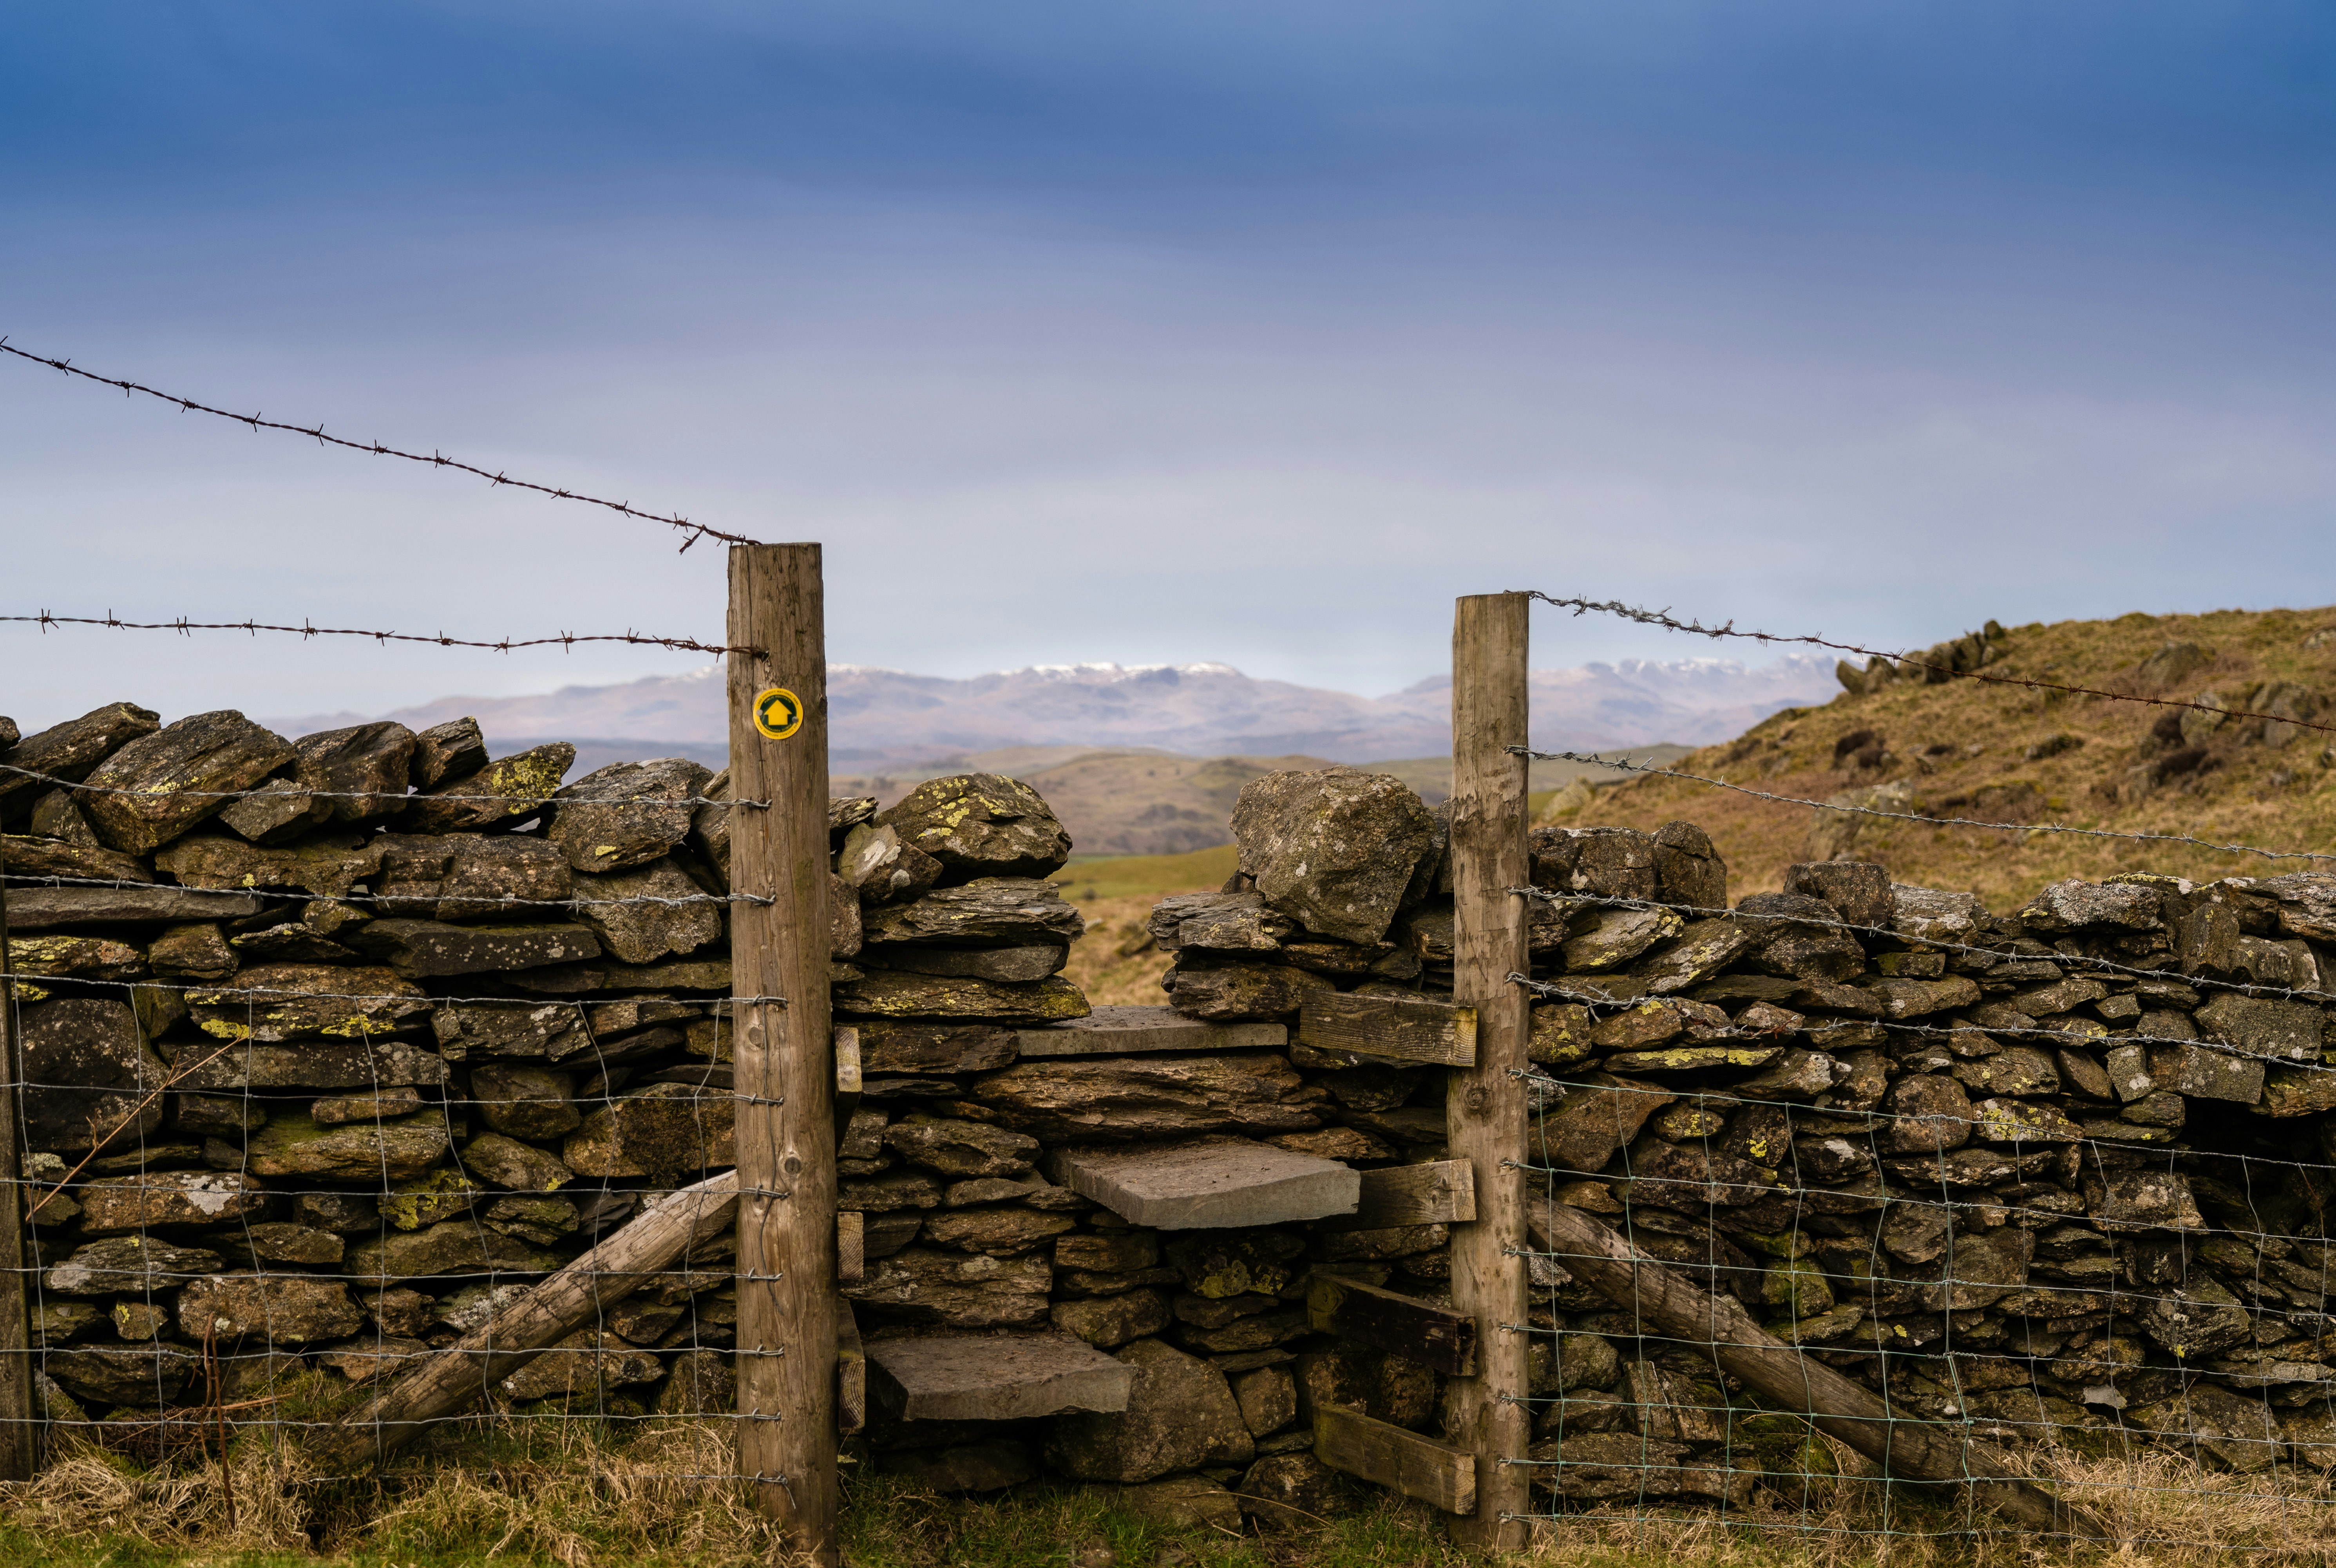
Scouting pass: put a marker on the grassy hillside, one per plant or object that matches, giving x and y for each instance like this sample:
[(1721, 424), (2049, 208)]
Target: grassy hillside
[(1971, 749)]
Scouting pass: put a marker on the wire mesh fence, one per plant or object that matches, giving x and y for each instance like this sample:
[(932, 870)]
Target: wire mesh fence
[(352, 1133), (1862, 1180)]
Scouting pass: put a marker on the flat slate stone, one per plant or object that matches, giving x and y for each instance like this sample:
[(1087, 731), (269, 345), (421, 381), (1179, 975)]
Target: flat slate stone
[(34, 908), (995, 1377), (1214, 1185), (1008, 964), (1117, 1031), (421, 948), (311, 1064)]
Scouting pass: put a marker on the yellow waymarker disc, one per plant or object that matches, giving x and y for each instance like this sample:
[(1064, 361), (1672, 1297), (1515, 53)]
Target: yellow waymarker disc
[(778, 713)]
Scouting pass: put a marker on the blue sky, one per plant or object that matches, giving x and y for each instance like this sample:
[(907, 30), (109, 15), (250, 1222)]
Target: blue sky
[(1156, 332)]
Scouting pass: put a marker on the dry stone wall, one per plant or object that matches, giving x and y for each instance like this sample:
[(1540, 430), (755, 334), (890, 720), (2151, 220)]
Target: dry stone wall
[(426, 1023), (333, 1045), (2060, 1174)]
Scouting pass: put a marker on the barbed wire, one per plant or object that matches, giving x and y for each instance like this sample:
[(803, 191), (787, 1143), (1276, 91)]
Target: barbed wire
[(695, 530), (1663, 618), (44, 620), (1917, 816), (503, 900), (253, 993), (403, 800)]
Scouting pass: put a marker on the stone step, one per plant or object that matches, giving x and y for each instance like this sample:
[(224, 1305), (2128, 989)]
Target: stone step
[(1122, 1031), (995, 1377), (1211, 1184)]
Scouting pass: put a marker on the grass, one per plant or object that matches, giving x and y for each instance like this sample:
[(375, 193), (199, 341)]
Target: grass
[(579, 1495), (1147, 876), (1115, 963), (1962, 748)]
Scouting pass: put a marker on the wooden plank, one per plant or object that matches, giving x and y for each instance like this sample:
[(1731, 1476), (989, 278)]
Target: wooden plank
[(1210, 1184), (1124, 1030), (1417, 1330), (847, 1075), (448, 1380), (1485, 1104), (1435, 1473), (785, 1069), (1438, 1193), (851, 1375), (1410, 1030), (851, 1248), (1667, 1303), (17, 1428)]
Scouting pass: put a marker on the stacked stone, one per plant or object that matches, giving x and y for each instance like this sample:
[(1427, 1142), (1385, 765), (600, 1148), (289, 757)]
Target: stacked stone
[(2052, 1170), (977, 1118), (431, 1023), (961, 944), (333, 1045), (1345, 885), (2060, 1169)]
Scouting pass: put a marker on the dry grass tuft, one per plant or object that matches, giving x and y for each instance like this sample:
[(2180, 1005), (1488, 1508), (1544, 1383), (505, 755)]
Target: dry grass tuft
[(566, 1492), (574, 1494), (2167, 1512), (582, 1493), (88, 1496), (1116, 963)]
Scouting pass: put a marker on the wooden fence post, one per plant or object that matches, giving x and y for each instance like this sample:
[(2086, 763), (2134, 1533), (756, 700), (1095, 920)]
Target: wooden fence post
[(19, 1441), (785, 1070), (1484, 1111)]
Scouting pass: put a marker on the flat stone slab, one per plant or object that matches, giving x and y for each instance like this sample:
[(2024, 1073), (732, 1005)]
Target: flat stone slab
[(995, 1377), (1214, 1185), (36, 909), (1118, 1031), (310, 1064)]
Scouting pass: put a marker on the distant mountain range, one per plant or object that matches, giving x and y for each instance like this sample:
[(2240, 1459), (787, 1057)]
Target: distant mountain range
[(887, 720)]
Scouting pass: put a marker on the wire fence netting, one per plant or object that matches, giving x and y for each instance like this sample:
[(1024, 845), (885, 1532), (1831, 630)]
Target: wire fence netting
[(1883, 1171), (377, 1111)]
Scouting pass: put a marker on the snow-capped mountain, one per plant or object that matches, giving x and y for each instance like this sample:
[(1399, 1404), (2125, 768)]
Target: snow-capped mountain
[(1205, 710)]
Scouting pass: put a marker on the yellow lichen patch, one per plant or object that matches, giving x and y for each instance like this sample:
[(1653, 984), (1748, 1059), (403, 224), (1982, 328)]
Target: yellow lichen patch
[(1688, 1058), (426, 1199)]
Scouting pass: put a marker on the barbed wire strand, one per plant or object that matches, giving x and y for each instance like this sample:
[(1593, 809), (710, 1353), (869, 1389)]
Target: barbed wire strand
[(44, 620), (401, 801), (289, 895), (694, 530)]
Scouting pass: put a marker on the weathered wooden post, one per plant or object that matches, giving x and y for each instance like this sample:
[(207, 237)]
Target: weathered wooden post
[(784, 1068), (1484, 1110), (18, 1439)]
